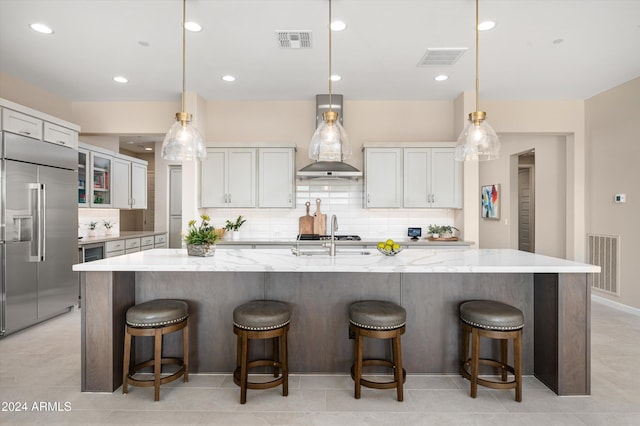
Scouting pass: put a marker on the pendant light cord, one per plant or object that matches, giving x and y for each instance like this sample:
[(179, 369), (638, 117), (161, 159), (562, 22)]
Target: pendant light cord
[(184, 49), (477, 44), (330, 82)]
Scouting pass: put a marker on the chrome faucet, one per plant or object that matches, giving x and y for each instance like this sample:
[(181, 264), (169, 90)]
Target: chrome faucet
[(334, 228)]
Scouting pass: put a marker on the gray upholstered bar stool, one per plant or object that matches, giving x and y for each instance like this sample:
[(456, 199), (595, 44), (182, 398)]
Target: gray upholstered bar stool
[(261, 319), (378, 320), (494, 320), (156, 318)]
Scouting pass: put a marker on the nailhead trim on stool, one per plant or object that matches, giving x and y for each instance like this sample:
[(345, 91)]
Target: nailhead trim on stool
[(494, 320), (261, 319), (156, 318), (379, 320)]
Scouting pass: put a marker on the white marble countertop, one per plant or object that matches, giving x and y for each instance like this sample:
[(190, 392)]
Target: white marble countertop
[(460, 260)]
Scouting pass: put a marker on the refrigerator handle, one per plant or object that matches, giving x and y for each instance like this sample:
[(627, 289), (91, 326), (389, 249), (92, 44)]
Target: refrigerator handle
[(36, 210), (42, 233)]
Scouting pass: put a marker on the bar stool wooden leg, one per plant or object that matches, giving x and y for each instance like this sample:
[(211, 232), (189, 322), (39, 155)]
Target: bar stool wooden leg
[(504, 357), (397, 360), (358, 368), (276, 357), (475, 360), (157, 364), (127, 360), (284, 364), (244, 370), (464, 352), (517, 364), (185, 351)]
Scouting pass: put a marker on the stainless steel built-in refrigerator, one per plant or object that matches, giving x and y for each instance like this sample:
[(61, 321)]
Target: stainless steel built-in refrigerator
[(38, 231)]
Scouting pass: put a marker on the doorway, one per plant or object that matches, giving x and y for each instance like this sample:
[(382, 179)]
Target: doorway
[(526, 201), (175, 206)]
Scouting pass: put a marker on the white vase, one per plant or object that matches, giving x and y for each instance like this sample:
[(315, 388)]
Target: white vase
[(235, 235), (92, 232)]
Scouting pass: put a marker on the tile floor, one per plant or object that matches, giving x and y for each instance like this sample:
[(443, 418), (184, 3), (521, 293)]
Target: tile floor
[(42, 365)]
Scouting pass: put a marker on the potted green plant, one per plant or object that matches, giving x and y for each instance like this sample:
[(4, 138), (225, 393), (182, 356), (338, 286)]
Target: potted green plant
[(446, 231), (234, 227), (108, 226), (434, 231), (201, 239), (92, 228)]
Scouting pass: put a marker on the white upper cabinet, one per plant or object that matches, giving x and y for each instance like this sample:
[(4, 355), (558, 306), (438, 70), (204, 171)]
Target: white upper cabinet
[(228, 178), (432, 178), (276, 177), (412, 177), (383, 177), (129, 183), (60, 135), (22, 124)]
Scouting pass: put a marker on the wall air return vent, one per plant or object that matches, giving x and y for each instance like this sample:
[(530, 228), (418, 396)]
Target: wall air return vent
[(441, 56), (294, 39)]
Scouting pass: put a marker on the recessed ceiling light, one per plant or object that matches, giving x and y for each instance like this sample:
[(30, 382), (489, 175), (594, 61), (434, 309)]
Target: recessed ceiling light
[(228, 78), (148, 148), (441, 77), (335, 77), (338, 26), (41, 28), (193, 26), (486, 25), (120, 79)]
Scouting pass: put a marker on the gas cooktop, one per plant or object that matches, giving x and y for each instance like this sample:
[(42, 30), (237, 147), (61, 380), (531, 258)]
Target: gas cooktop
[(328, 237)]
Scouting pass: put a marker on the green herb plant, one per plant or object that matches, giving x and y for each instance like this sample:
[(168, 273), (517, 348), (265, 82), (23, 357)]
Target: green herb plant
[(234, 226), (202, 234)]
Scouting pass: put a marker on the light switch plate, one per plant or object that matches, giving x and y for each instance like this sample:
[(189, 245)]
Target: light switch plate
[(620, 198)]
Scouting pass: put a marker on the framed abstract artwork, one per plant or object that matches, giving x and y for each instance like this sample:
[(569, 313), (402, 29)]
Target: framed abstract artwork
[(490, 198)]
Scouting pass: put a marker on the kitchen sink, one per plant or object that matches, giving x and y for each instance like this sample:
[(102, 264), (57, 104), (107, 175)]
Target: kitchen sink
[(325, 252)]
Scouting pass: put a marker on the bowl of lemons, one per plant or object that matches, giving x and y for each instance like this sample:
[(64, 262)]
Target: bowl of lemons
[(389, 247)]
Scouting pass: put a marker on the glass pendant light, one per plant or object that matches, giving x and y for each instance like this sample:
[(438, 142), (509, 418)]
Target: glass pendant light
[(478, 140), (183, 142), (330, 141)]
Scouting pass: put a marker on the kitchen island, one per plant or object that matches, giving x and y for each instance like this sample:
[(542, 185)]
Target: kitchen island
[(554, 295)]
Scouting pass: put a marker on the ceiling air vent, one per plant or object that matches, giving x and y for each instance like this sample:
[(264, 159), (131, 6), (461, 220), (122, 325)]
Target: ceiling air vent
[(440, 56), (294, 39)]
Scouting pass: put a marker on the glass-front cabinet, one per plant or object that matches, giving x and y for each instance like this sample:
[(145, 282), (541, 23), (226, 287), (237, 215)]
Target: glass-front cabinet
[(94, 178), (100, 179), (83, 168)]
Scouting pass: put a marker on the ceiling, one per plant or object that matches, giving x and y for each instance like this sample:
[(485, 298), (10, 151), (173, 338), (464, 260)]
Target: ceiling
[(377, 55)]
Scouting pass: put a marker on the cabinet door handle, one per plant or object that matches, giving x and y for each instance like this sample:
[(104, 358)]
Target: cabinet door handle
[(229, 198), (289, 198), (24, 132), (368, 198)]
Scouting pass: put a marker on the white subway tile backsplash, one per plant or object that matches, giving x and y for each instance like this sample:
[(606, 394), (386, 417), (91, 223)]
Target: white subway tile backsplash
[(342, 197)]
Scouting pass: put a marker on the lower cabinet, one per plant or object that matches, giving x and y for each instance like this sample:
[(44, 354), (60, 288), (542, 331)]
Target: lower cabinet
[(131, 245), (114, 248), (147, 243), (160, 241)]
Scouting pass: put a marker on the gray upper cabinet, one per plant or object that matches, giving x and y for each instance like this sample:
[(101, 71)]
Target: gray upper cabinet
[(432, 178), (129, 183), (412, 177), (383, 177), (276, 177), (228, 178)]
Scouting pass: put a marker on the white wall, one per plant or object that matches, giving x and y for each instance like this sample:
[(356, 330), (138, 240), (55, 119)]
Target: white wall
[(550, 187), (612, 161)]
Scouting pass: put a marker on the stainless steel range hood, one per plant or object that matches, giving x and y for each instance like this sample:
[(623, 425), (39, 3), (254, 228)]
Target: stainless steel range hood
[(329, 169)]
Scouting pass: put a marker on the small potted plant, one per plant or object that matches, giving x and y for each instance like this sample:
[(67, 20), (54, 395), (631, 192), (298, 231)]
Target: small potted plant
[(92, 228), (446, 231), (434, 230), (201, 239), (108, 225), (234, 227)]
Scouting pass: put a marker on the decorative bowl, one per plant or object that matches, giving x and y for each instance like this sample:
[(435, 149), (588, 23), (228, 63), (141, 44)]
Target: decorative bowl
[(390, 252)]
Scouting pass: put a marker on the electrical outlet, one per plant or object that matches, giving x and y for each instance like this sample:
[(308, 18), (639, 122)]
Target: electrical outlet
[(620, 198)]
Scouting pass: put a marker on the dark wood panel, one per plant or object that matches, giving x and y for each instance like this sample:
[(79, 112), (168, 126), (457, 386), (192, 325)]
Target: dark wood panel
[(211, 296), (106, 297), (574, 356), (546, 329), (433, 335), (319, 334)]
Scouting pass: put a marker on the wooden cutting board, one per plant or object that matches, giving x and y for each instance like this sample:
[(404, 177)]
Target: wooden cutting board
[(319, 220), (305, 225)]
